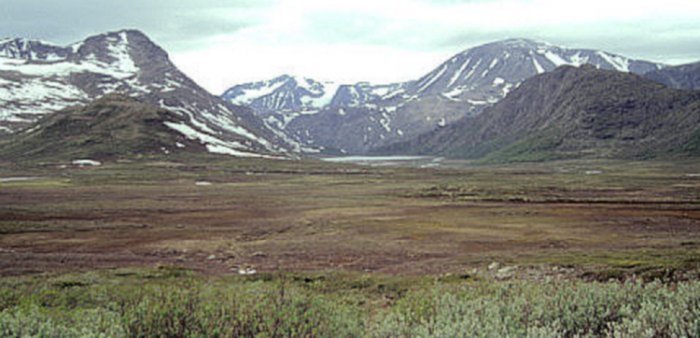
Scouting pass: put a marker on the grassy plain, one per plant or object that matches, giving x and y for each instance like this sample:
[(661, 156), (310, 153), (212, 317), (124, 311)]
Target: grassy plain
[(314, 216)]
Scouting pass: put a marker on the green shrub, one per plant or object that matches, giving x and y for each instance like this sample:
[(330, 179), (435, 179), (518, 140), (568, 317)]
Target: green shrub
[(279, 307), (523, 309), (35, 321)]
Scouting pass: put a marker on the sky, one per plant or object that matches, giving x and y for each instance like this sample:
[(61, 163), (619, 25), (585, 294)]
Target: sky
[(221, 43)]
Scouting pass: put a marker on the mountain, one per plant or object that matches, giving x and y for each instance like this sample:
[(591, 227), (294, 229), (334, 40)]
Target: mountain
[(282, 99), (681, 77), (25, 49), (37, 79), (282, 94), (113, 126), (362, 116), (574, 113), (496, 68), (361, 94)]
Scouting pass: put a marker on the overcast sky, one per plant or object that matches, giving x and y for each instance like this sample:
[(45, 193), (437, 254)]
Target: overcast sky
[(220, 43)]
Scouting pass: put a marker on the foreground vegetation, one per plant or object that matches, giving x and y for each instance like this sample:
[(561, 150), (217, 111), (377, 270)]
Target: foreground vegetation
[(172, 303)]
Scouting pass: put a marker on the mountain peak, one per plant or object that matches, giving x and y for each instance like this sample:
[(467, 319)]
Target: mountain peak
[(282, 93), (297, 79), (510, 43), (20, 40), (498, 67), (128, 50), (123, 34), (31, 50), (283, 77), (521, 42), (130, 32)]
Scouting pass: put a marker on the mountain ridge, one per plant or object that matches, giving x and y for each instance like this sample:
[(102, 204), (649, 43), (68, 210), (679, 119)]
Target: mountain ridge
[(573, 113), (112, 127), (686, 76), (364, 116)]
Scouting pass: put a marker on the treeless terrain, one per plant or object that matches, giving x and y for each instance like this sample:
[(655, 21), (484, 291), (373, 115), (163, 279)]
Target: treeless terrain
[(228, 215)]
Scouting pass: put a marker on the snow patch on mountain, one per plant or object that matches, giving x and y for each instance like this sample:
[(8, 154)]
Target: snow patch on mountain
[(35, 96), (213, 144), (556, 59), (250, 94), (537, 65), (432, 79), (459, 72), (620, 63), (119, 48), (66, 68)]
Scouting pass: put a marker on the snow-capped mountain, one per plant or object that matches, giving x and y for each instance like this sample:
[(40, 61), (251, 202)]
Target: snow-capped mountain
[(363, 116), (363, 93), (282, 99), (495, 68), (37, 78), (282, 94), (18, 48)]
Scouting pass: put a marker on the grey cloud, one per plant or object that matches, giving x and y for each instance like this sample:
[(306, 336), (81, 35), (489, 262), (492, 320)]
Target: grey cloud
[(659, 40), (188, 25), (175, 23), (662, 41)]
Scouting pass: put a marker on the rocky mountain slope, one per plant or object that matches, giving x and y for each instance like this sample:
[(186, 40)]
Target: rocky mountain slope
[(574, 113), (113, 126), (37, 79), (363, 116), (681, 77)]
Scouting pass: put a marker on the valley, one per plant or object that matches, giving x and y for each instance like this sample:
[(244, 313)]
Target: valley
[(518, 189), (299, 216)]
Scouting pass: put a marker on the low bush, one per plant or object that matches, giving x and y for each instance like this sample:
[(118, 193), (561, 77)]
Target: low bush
[(189, 306)]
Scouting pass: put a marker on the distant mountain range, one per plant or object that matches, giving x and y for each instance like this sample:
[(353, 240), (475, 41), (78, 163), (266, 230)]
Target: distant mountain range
[(573, 112), (37, 79), (360, 117), (282, 94), (680, 77), (118, 94)]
